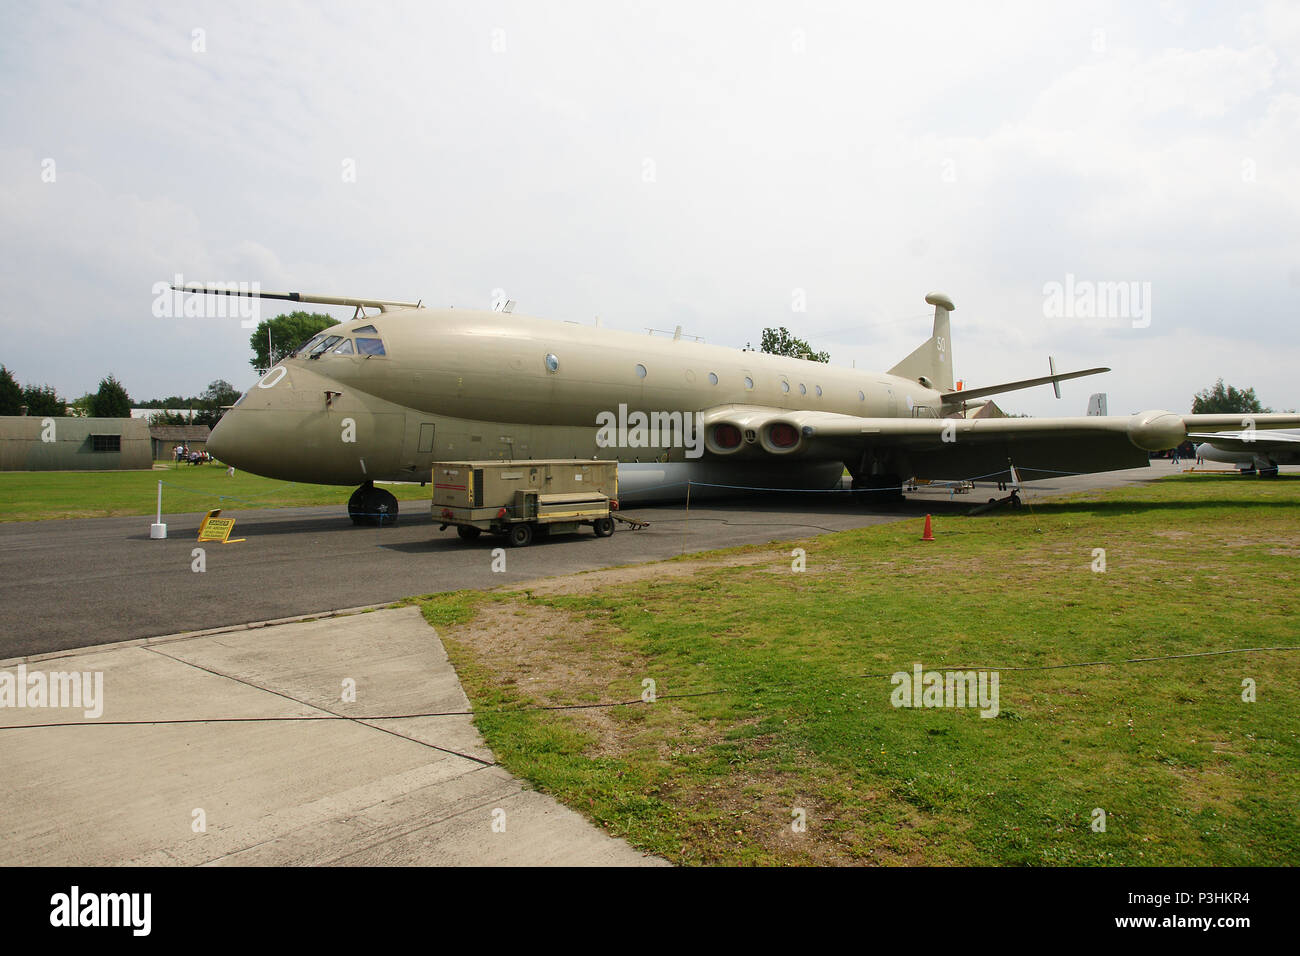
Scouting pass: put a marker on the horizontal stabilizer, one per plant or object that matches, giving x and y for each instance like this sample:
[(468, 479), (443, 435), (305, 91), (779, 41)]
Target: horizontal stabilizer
[(950, 398)]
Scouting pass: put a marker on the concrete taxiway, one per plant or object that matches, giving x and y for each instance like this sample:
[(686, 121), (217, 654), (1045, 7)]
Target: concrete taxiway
[(72, 583), (238, 748)]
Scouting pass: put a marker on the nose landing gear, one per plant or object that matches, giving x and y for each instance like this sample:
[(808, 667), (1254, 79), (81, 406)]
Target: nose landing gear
[(372, 506)]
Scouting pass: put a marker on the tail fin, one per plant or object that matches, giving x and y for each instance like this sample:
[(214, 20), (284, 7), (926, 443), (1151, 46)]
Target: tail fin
[(1097, 404), (931, 363)]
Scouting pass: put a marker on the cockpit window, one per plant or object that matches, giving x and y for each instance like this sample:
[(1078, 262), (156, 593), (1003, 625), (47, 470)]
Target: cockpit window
[(307, 346), (361, 329), (344, 348), (324, 346), (370, 346)]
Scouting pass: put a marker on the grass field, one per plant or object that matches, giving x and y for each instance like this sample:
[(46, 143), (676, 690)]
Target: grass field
[(30, 495), (798, 714)]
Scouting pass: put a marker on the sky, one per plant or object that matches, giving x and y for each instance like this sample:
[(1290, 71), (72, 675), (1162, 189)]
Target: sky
[(723, 166)]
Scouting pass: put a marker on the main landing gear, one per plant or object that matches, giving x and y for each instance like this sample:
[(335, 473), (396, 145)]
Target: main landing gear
[(372, 506), (879, 490)]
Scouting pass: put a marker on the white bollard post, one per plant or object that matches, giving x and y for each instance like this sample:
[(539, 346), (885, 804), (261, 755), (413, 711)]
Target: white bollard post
[(158, 529)]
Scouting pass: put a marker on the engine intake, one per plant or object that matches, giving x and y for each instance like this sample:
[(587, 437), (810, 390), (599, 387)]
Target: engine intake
[(781, 438), (724, 438)]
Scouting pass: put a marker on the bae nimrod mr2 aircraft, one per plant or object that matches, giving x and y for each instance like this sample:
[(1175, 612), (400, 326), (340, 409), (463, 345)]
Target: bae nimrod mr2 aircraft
[(384, 395)]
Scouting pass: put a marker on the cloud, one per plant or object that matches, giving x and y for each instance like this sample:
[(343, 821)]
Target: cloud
[(861, 156)]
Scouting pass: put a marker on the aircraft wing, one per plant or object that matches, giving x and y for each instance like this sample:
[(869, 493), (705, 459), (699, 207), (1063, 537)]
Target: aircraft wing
[(1247, 441), (958, 447)]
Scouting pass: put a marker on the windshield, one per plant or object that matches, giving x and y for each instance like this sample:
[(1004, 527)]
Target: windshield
[(324, 346), (308, 345)]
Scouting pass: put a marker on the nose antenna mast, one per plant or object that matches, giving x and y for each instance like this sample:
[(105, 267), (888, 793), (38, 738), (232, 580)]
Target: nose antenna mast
[(243, 289)]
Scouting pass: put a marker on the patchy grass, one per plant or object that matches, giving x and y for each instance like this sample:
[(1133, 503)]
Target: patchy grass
[(36, 495), (797, 713)]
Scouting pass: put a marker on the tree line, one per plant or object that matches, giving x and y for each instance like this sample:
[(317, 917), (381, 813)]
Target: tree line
[(111, 400), (275, 338)]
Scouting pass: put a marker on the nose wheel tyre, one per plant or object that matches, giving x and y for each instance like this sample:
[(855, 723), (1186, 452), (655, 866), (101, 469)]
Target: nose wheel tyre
[(372, 506), (520, 535)]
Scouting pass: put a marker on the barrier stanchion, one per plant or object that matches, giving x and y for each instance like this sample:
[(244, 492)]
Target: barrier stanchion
[(158, 529)]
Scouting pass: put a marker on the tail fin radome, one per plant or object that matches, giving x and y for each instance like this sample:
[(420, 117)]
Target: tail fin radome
[(931, 363)]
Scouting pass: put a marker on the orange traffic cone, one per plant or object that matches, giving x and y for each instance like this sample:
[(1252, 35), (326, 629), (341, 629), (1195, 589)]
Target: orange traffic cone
[(929, 534)]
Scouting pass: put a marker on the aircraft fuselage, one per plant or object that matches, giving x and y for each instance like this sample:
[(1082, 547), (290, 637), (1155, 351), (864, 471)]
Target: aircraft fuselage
[(456, 384)]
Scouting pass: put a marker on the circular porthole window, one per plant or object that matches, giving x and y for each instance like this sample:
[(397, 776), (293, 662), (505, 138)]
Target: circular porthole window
[(749, 382), (785, 386), (552, 362), (861, 396), (803, 389), (640, 371), (819, 391), (713, 379)]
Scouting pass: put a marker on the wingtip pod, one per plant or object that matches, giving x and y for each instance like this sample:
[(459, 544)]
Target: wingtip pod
[(1156, 430)]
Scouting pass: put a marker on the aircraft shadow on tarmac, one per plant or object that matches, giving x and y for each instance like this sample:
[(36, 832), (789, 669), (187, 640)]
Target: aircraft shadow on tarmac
[(782, 510), (449, 541)]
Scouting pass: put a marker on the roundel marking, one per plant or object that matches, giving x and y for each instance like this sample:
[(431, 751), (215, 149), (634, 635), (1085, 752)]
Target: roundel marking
[(267, 380)]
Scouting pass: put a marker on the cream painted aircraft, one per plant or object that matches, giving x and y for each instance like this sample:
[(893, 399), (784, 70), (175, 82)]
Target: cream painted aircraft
[(1251, 451), (383, 395)]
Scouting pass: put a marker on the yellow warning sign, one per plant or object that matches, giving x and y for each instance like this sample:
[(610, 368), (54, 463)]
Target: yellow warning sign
[(213, 528)]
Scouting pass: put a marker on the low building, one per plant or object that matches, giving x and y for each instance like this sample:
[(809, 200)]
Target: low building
[(67, 443), (165, 438), (146, 413), (987, 409)]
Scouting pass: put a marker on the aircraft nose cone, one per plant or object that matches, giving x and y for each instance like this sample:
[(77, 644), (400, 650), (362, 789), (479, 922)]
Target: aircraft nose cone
[(221, 444)]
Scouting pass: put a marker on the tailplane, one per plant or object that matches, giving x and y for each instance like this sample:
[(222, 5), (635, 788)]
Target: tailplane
[(931, 363)]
